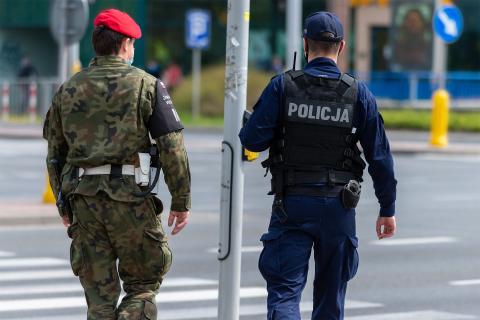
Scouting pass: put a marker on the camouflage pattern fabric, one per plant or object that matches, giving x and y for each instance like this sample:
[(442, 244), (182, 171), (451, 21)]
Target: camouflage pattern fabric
[(104, 231), (98, 117)]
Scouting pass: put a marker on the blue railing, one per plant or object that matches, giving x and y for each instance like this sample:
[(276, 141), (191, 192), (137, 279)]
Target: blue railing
[(420, 85)]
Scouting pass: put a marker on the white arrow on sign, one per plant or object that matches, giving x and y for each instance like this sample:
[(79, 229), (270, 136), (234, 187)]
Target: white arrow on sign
[(450, 25)]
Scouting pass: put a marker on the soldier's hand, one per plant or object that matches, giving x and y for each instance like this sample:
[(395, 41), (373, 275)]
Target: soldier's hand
[(180, 219), (66, 221), (386, 227)]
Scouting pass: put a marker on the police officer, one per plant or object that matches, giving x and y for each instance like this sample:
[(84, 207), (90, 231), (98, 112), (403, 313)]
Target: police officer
[(98, 130), (311, 121)]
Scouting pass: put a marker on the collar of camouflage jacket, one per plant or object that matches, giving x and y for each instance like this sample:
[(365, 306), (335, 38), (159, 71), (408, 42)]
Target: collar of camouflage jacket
[(107, 61)]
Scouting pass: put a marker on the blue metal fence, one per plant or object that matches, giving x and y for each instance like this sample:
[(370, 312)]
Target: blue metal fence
[(420, 85)]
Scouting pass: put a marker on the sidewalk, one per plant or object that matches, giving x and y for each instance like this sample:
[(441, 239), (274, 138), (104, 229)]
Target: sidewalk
[(401, 141), (20, 131), (29, 212)]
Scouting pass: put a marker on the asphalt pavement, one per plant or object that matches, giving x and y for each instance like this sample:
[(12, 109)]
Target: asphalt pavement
[(429, 271)]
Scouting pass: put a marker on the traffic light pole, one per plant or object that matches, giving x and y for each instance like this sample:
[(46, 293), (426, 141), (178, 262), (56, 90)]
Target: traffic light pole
[(440, 55), (231, 204)]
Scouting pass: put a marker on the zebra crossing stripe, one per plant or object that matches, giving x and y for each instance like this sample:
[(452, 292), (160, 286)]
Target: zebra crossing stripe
[(32, 262), (245, 310), (245, 249), (416, 315), (36, 275), (252, 310), (414, 241), (6, 254), (472, 282), (162, 298), (76, 287), (211, 312)]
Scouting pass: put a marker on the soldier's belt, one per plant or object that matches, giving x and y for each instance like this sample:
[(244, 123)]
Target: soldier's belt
[(108, 169)]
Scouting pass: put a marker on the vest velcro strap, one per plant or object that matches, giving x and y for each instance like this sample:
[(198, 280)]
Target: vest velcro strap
[(277, 159), (349, 153), (324, 176), (347, 164), (315, 191), (280, 144), (349, 139)]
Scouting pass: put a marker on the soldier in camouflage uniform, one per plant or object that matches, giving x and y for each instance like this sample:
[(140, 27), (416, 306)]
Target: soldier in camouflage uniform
[(103, 116)]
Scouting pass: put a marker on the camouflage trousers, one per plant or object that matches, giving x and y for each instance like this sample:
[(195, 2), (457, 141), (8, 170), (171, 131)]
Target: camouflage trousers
[(105, 231)]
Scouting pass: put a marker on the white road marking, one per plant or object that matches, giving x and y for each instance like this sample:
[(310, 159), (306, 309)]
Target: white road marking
[(414, 241), (415, 315), (450, 158), (205, 295), (246, 249), (247, 310), (36, 275), (211, 312), (456, 197), (6, 254), (472, 282), (76, 287), (32, 262), (162, 297)]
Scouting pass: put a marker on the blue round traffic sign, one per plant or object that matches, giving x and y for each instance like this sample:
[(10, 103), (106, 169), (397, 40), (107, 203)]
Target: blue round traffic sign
[(448, 23)]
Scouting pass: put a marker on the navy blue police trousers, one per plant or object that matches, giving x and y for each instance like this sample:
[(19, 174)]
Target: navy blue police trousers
[(326, 226)]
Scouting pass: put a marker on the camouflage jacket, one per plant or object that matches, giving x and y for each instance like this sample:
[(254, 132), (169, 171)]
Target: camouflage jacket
[(99, 117)]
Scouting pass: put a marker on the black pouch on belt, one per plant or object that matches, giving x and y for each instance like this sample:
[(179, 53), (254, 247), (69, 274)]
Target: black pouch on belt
[(351, 194), (158, 205)]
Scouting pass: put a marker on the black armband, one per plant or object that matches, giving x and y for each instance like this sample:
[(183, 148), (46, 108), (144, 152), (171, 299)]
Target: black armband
[(164, 118)]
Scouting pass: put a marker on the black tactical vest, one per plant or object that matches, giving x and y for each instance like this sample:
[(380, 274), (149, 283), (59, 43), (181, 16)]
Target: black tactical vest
[(316, 141)]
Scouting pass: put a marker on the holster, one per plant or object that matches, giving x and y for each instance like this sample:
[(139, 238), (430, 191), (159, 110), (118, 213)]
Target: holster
[(351, 194)]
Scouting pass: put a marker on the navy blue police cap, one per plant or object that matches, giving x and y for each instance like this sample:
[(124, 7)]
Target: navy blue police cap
[(321, 22)]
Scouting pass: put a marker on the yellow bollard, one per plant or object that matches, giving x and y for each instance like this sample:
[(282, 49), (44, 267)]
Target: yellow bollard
[(76, 67), (48, 196), (439, 125)]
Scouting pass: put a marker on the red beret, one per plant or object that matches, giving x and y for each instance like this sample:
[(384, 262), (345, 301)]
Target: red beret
[(118, 21)]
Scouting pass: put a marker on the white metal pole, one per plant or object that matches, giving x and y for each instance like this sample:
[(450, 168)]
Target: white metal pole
[(440, 53), (73, 57), (294, 32), (196, 82), (62, 46), (231, 204)]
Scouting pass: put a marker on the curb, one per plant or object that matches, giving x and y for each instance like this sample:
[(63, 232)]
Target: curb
[(419, 147), (397, 147), (28, 213)]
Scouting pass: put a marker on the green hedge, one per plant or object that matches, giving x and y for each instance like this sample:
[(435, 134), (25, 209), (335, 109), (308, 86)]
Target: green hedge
[(212, 91), (420, 119)]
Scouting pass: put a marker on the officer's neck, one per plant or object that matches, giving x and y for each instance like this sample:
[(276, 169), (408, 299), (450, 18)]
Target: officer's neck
[(333, 57)]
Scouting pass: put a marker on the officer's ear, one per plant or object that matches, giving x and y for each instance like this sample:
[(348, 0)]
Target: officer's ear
[(342, 46), (305, 49)]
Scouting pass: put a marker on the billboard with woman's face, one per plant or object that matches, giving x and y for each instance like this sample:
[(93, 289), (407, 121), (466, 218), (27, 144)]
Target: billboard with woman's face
[(411, 35)]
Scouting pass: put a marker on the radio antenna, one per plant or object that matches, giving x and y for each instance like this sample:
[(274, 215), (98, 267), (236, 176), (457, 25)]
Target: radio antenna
[(294, 60)]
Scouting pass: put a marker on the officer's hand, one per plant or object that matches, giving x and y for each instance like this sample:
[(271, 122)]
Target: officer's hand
[(386, 227), (180, 219), (66, 221)]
